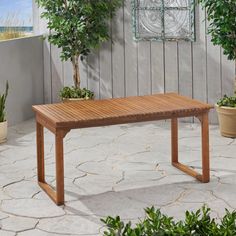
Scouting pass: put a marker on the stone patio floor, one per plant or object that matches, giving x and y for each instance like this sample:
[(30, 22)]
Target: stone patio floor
[(117, 170)]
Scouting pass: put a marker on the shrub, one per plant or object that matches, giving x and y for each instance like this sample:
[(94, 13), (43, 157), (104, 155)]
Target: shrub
[(197, 223), (74, 92), (227, 101)]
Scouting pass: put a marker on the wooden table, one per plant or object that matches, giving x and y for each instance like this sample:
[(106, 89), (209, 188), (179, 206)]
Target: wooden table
[(61, 118)]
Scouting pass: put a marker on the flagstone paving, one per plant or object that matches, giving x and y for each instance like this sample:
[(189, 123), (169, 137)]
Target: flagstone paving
[(117, 170)]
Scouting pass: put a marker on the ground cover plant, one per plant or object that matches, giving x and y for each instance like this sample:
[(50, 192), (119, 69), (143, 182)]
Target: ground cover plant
[(199, 223)]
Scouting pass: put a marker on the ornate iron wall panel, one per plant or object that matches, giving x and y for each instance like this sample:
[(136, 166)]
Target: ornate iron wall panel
[(163, 20)]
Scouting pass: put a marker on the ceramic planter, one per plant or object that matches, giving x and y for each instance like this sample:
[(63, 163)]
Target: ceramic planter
[(3, 131), (227, 121)]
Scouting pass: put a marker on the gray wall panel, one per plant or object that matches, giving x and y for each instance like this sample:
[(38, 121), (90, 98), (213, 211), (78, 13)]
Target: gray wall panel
[(131, 54), (106, 83), (94, 73), (199, 55), (57, 72), (118, 55), (144, 68), (21, 64), (171, 67), (157, 67)]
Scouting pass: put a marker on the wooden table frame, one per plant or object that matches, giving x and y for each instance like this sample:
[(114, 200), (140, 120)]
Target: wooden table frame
[(58, 126), (58, 195)]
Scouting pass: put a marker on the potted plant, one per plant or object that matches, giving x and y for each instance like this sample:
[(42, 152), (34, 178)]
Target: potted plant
[(3, 121), (226, 108), (222, 17), (77, 27)]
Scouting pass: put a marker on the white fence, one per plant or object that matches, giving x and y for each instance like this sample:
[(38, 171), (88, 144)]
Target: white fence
[(21, 64)]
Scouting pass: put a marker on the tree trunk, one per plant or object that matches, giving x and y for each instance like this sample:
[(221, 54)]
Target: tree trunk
[(76, 74)]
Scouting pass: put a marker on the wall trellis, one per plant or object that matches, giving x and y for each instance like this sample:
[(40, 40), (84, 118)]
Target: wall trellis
[(164, 20)]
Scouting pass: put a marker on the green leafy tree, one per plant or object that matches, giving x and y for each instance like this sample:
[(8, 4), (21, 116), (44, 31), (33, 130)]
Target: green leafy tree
[(78, 26), (221, 15)]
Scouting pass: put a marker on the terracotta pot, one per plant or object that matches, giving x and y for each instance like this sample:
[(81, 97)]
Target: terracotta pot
[(3, 131), (74, 99), (227, 120)]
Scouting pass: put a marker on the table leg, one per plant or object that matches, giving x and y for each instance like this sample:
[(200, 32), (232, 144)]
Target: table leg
[(59, 168), (58, 195), (205, 176), (40, 152), (174, 140), (205, 148)]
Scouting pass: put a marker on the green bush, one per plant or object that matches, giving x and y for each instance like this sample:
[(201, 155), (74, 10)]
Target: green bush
[(73, 92), (197, 223), (227, 101), (3, 99)]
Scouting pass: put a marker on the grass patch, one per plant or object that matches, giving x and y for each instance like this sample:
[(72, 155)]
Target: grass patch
[(10, 33), (11, 27)]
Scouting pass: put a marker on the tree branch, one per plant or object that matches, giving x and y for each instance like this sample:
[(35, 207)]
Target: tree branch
[(66, 5)]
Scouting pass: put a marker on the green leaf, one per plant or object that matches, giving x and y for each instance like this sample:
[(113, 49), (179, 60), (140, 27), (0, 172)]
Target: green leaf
[(155, 223), (78, 26), (221, 15)]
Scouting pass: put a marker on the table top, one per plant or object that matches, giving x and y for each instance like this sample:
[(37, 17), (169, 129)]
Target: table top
[(93, 113)]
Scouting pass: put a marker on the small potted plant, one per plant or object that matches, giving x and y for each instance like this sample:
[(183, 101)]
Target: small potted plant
[(3, 121), (77, 27), (222, 17), (226, 108)]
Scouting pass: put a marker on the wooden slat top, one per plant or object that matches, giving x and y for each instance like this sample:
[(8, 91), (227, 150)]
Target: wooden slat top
[(120, 110)]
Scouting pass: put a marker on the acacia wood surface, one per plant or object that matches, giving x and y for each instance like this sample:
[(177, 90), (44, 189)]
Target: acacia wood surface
[(120, 110)]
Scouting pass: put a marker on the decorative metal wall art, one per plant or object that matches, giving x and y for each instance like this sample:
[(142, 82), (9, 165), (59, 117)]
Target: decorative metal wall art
[(164, 20)]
